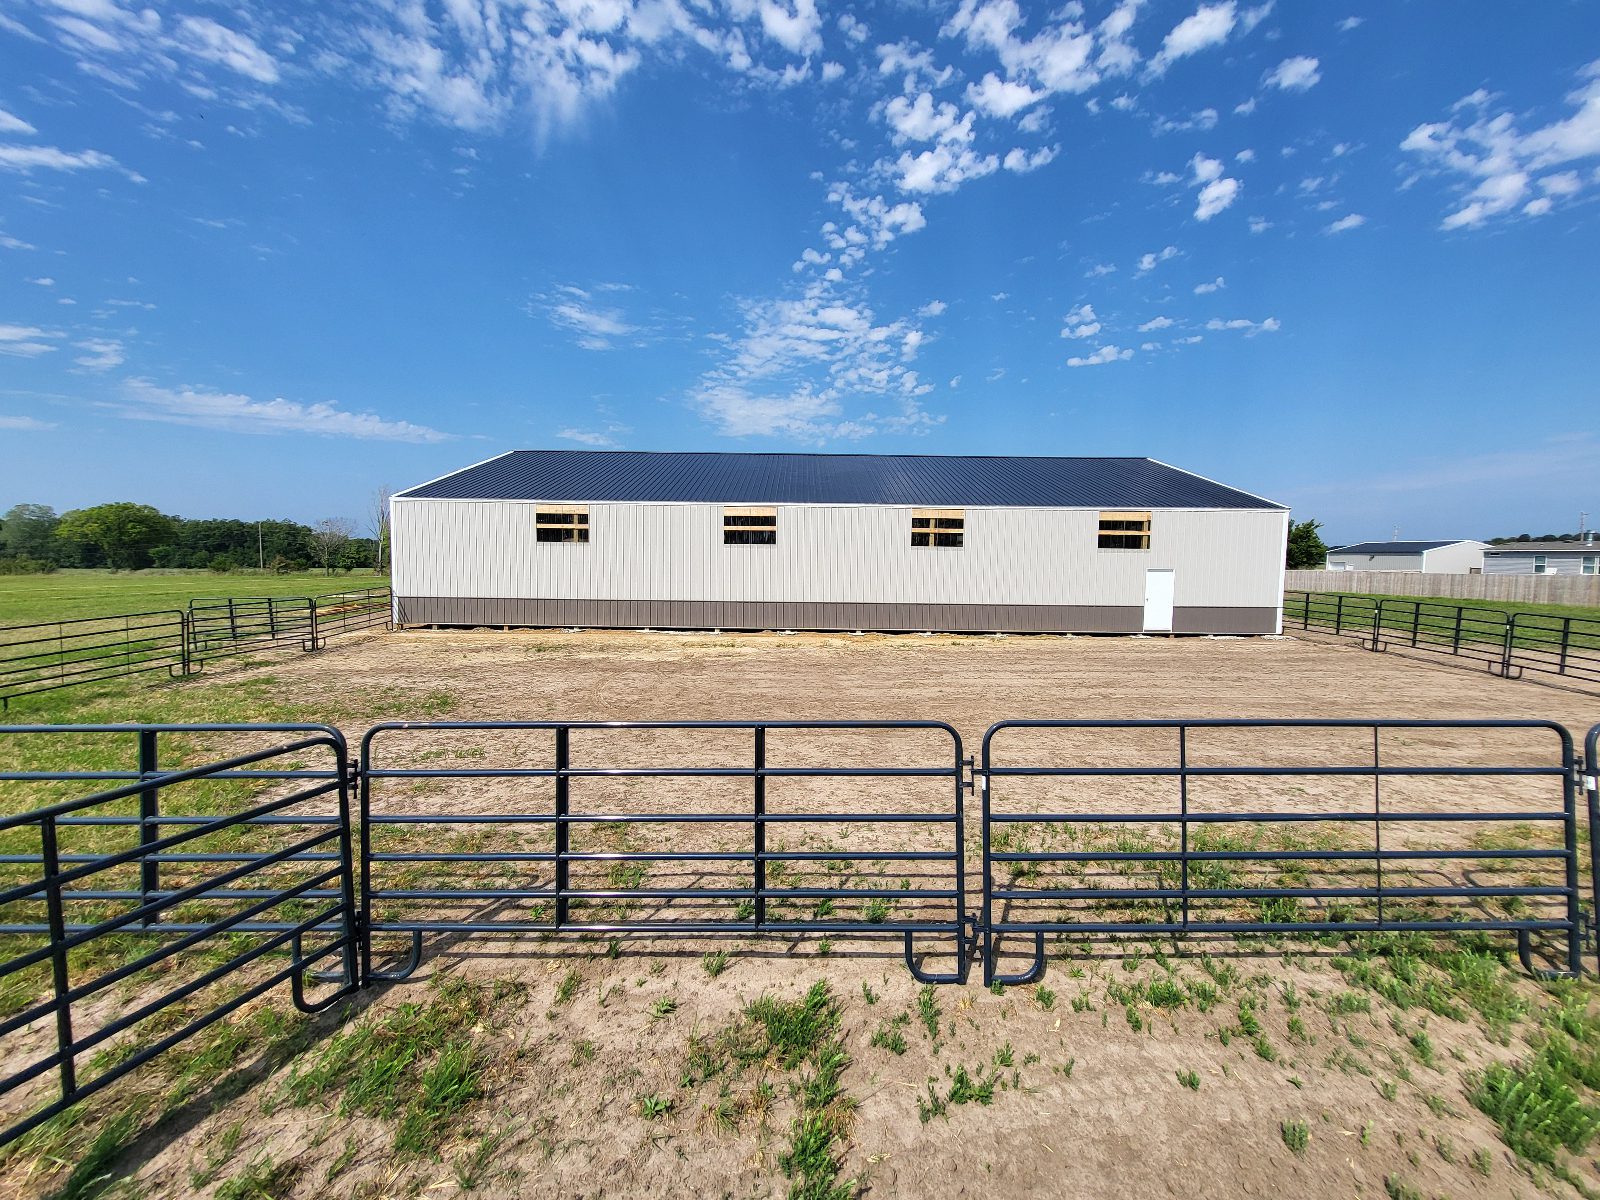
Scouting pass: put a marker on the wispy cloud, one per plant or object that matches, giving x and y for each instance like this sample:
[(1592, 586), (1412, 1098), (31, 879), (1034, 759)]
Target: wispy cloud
[(593, 325), (1503, 171), (26, 341), (99, 354), (11, 123), (25, 424), (1348, 222), (1248, 328), (236, 413), (26, 159), (1106, 354)]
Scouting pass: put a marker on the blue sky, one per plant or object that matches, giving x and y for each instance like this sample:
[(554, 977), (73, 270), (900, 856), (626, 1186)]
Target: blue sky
[(262, 261)]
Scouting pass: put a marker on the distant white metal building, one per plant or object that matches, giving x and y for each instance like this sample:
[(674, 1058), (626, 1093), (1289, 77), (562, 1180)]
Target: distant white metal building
[(1436, 558), (837, 542), (1543, 558)]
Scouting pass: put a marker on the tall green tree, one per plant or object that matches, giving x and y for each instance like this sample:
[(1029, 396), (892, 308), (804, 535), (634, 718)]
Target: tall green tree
[(125, 533), (29, 531), (1306, 551)]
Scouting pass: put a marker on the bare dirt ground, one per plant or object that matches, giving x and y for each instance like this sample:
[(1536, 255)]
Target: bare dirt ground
[(1098, 1084)]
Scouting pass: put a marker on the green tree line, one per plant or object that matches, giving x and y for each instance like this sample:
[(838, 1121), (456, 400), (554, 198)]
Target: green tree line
[(131, 537)]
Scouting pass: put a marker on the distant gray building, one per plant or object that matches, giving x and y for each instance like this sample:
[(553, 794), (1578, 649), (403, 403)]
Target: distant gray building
[(1542, 558), (632, 540), (1436, 558)]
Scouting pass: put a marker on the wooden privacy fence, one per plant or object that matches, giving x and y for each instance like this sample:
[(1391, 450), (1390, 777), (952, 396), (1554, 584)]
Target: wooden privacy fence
[(50, 655), (1510, 589)]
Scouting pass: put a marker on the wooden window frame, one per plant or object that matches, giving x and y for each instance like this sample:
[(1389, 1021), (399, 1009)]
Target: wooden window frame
[(939, 528), (1128, 530), (561, 524), (749, 525)]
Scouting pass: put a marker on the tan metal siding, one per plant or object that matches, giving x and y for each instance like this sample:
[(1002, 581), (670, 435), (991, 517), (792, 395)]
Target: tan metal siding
[(832, 555)]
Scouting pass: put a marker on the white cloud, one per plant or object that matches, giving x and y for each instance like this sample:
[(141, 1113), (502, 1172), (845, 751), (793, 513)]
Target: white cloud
[(1245, 156), (853, 29), (99, 354), (933, 308), (1294, 74), (1496, 165), (1081, 323), (25, 424), (1156, 323), (26, 341), (1208, 26), (235, 413), (1149, 262), (601, 439), (1021, 162), (924, 120), (831, 71), (1188, 341), (1349, 23), (1217, 191), (943, 168), (12, 243), (1205, 289), (1352, 221), (9, 123), (1248, 328), (43, 281), (1001, 98), (1100, 269), (1106, 354), (1259, 224)]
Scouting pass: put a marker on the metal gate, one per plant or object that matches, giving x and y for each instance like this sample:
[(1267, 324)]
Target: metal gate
[(842, 828), (1277, 827), (149, 879)]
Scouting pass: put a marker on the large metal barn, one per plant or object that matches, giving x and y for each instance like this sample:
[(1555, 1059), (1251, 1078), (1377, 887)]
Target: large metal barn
[(635, 540)]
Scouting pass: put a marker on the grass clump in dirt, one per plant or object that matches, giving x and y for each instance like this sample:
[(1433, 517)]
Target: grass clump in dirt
[(1296, 1135), (421, 1065)]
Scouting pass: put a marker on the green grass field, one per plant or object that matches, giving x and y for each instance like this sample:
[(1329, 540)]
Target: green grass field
[(25, 599)]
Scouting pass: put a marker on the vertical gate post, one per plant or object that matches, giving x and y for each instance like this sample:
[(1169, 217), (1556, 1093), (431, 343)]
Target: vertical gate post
[(1183, 808), (1506, 648), (760, 801), (1338, 613), (60, 977), (1569, 805), (1589, 765), (149, 812), (562, 796)]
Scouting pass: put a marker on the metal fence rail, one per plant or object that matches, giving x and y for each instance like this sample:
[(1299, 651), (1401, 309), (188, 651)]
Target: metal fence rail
[(753, 844), (103, 888), (50, 655), (1172, 841), (1507, 644)]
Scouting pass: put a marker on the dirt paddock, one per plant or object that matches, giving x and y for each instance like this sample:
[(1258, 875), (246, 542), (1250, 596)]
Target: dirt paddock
[(1146, 1068)]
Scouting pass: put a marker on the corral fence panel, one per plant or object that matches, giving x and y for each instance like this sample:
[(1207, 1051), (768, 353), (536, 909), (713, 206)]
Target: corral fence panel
[(1160, 827), (140, 904), (1505, 643), (50, 655), (787, 828), (157, 878)]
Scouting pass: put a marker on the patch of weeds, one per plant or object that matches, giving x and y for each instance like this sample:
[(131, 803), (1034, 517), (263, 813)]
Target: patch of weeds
[(473, 1167), (1263, 1048), (1044, 997), (218, 1155), (1297, 1031), (1296, 1135), (714, 964), (1482, 1162), (1439, 1106), (794, 1029), (1066, 1068), (1190, 1080), (663, 1008), (928, 1011), (417, 1064), (876, 911), (744, 910), (1536, 1108), (583, 1051), (568, 987), (1396, 1188), (1005, 1056), (263, 1179), (1422, 1046), (342, 1163), (889, 1035), (1165, 993), (653, 1108), (1346, 1003), (867, 994)]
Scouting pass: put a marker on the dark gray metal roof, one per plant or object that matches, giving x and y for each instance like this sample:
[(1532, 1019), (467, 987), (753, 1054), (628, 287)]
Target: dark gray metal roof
[(918, 479), (1394, 547), (1545, 548)]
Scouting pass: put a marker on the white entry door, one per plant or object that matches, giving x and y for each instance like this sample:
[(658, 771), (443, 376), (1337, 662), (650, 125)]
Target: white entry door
[(1158, 601)]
